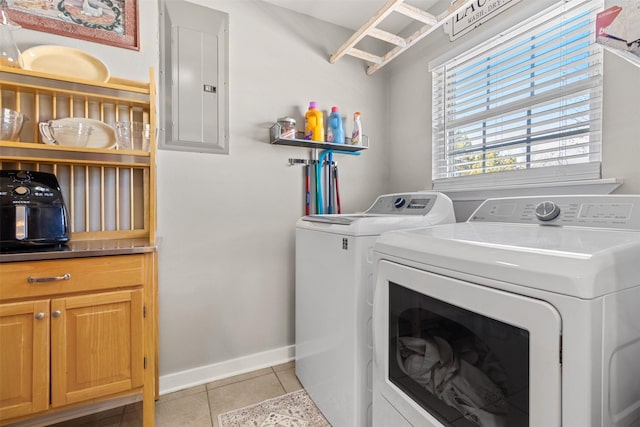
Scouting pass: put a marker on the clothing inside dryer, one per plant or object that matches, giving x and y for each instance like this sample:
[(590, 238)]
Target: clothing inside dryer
[(465, 369)]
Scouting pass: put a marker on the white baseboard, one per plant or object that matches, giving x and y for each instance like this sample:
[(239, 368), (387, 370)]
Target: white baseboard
[(217, 371)]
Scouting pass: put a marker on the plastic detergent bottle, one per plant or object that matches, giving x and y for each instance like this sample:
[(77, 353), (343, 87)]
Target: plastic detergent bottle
[(356, 136), (314, 123), (335, 129)]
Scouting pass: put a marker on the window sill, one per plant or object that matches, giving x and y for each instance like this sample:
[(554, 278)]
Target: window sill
[(594, 186)]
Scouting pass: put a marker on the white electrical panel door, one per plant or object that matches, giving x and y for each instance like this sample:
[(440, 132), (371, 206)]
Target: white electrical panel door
[(194, 73)]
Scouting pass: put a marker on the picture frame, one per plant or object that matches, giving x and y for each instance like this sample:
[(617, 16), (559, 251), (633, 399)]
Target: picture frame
[(111, 22)]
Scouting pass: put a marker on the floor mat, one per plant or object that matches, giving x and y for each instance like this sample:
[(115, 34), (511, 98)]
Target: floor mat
[(290, 410)]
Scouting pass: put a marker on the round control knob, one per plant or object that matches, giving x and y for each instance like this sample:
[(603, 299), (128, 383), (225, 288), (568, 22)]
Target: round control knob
[(546, 211), (22, 176), (21, 191), (399, 202)]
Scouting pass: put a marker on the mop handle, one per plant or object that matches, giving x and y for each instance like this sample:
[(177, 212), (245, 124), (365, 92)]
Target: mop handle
[(307, 176), (320, 208), (329, 185), (335, 174)]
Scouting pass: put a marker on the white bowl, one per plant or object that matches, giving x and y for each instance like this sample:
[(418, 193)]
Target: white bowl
[(102, 135), (65, 133)]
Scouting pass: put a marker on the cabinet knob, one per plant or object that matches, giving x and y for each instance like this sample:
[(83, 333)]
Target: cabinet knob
[(56, 313), (40, 316)]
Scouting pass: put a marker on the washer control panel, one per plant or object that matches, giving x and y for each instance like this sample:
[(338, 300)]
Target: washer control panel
[(403, 204), (605, 211)]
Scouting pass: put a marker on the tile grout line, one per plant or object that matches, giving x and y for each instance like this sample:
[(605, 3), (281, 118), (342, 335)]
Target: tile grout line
[(240, 381), (284, 390), (121, 416), (206, 390)]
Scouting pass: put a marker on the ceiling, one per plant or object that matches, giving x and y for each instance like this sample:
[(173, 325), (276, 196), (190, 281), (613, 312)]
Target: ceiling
[(350, 13)]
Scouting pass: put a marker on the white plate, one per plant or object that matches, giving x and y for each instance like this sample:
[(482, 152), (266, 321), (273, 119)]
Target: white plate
[(102, 135), (64, 61)]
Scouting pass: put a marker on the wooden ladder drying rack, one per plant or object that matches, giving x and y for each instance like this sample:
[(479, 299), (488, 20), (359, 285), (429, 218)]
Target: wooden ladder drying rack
[(370, 28)]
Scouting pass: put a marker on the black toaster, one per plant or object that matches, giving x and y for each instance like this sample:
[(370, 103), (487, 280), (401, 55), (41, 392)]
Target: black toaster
[(32, 210)]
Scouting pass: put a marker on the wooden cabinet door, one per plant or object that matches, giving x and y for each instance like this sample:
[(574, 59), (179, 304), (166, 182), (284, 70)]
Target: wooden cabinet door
[(96, 345), (24, 358)]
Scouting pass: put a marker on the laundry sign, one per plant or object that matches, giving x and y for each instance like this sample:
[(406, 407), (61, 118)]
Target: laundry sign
[(475, 14)]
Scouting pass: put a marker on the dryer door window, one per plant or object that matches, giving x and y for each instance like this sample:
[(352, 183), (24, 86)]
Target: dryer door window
[(464, 368), (457, 353)]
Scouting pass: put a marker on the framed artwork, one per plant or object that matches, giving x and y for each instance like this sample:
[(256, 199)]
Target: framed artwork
[(111, 22)]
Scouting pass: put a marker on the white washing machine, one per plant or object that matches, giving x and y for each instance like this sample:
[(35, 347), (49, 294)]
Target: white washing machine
[(527, 315), (334, 297)]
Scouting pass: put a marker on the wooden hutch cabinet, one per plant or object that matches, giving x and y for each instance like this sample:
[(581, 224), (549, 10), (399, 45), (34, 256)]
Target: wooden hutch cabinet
[(78, 326)]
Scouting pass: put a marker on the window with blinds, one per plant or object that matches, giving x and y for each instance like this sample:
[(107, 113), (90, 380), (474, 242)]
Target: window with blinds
[(523, 108)]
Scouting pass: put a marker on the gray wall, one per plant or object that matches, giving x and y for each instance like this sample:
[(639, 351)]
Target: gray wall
[(621, 123), (226, 222)]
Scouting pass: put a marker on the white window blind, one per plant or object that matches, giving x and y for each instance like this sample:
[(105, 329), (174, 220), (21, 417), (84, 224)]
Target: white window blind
[(523, 108)]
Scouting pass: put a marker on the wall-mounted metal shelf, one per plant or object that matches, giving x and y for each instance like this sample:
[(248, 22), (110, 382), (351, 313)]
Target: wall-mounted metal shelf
[(275, 132)]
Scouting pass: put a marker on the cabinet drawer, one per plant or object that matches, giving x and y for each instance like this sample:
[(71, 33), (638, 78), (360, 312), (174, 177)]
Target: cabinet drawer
[(53, 277)]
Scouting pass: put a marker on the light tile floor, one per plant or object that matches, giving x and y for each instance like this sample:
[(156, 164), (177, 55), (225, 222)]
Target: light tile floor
[(200, 406)]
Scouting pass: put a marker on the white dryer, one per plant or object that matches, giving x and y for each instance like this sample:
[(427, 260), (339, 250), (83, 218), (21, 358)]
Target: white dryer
[(334, 297), (527, 315)]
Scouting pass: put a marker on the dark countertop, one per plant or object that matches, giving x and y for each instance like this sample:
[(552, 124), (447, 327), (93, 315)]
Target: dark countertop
[(82, 249)]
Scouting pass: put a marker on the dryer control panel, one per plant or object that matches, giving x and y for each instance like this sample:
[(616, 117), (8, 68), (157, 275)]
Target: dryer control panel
[(601, 211)]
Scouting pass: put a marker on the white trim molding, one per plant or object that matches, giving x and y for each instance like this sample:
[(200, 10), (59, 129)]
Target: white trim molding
[(593, 186), (217, 371)]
